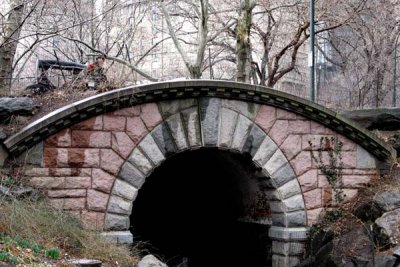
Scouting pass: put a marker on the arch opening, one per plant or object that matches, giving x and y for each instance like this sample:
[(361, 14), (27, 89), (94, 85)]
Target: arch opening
[(197, 207)]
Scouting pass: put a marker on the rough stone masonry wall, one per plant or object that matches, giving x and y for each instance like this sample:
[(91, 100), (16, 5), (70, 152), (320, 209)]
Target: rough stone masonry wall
[(79, 164)]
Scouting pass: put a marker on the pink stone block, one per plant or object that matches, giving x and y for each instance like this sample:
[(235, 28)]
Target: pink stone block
[(308, 180), (91, 139), (67, 193), (92, 220), (322, 181), (150, 115), (349, 194), (299, 127), (114, 123), (291, 146), (136, 129), (348, 145), (301, 163), (55, 157), (60, 139), (48, 182), (317, 128), (77, 182), (285, 115), (349, 159), (80, 157), (327, 196), (94, 123), (110, 161), (68, 203), (315, 140), (122, 144), (266, 117), (96, 200), (313, 198), (128, 112), (279, 131), (351, 181), (102, 181), (313, 216)]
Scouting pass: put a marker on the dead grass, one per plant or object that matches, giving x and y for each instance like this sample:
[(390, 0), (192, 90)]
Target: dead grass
[(37, 221)]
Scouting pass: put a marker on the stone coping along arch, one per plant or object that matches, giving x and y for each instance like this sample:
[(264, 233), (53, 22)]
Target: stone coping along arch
[(134, 95)]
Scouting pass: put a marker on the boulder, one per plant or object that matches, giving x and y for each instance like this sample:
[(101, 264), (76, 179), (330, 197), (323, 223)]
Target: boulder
[(386, 119), (15, 106), (383, 261), (388, 200), (389, 224), (150, 261)]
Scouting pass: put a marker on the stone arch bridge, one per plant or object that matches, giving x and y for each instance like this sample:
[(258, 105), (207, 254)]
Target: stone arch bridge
[(92, 157)]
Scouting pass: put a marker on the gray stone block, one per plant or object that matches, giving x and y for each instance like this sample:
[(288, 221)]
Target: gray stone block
[(119, 205), (162, 136), (209, 114), (247, 109), (116, 222), (243, 128), (265, 151), (285, 261), (254, 140), (289, 189), (277, 160), (130, 174), (191, 120), (287, 248), (364, 159), (296, 218), (139, 160), (150, 148), (283, 175), (169, 108), (228, 125), (125, 190), (294, 203), (288, 234), (178, 132), (118, 237)]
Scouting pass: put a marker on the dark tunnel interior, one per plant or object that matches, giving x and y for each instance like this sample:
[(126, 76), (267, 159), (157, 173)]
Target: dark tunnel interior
[(187, 212)]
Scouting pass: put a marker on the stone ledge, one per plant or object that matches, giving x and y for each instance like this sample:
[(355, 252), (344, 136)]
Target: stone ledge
[(130, 96), (288, 234), (118, 237)]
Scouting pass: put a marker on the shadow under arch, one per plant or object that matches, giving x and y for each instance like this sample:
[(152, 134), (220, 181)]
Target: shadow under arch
[(201, 207)]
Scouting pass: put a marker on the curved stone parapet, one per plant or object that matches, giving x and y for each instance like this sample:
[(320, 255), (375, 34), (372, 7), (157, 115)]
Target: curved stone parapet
[(130, 96)]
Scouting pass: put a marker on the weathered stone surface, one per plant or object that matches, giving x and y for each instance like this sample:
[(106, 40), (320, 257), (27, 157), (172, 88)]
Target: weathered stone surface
[(15, 106), (172, 107), (68, 203), (313, 198), (308, 180), (253, 141), (150, 261), (291, 146), (283, 175), (136, 129), (290, 204), (390, 225), (91, 139), (285, 115), (150, 148), (60, 139), (178, 132), (354, 181), (288, 234), (48, 182), (266, 117), (279, 131), (94, 123), (313, 216), (243, 128), (102, 180), (163, 138), (265, 152), (128, 112), (77, 182), (122, 144), (33, 156), (118, 237), (383, 261), (209, 114), (150, 115), (388, 200), (191, 119), (114, 123), (228, 125), (300, 127), (119, 205), (364, 159), (125, 190), (287, 249), (96, 200), (79, 157), (92, 219), (130, 174), (289, 189), (110, 161), (139, 160), (277, 160), (278, 260), (302, 162), (247, 109), (116, 222)]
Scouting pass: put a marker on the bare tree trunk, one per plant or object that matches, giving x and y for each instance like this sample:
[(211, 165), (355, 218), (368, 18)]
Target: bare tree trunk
[(243, 64), (8, 45)]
